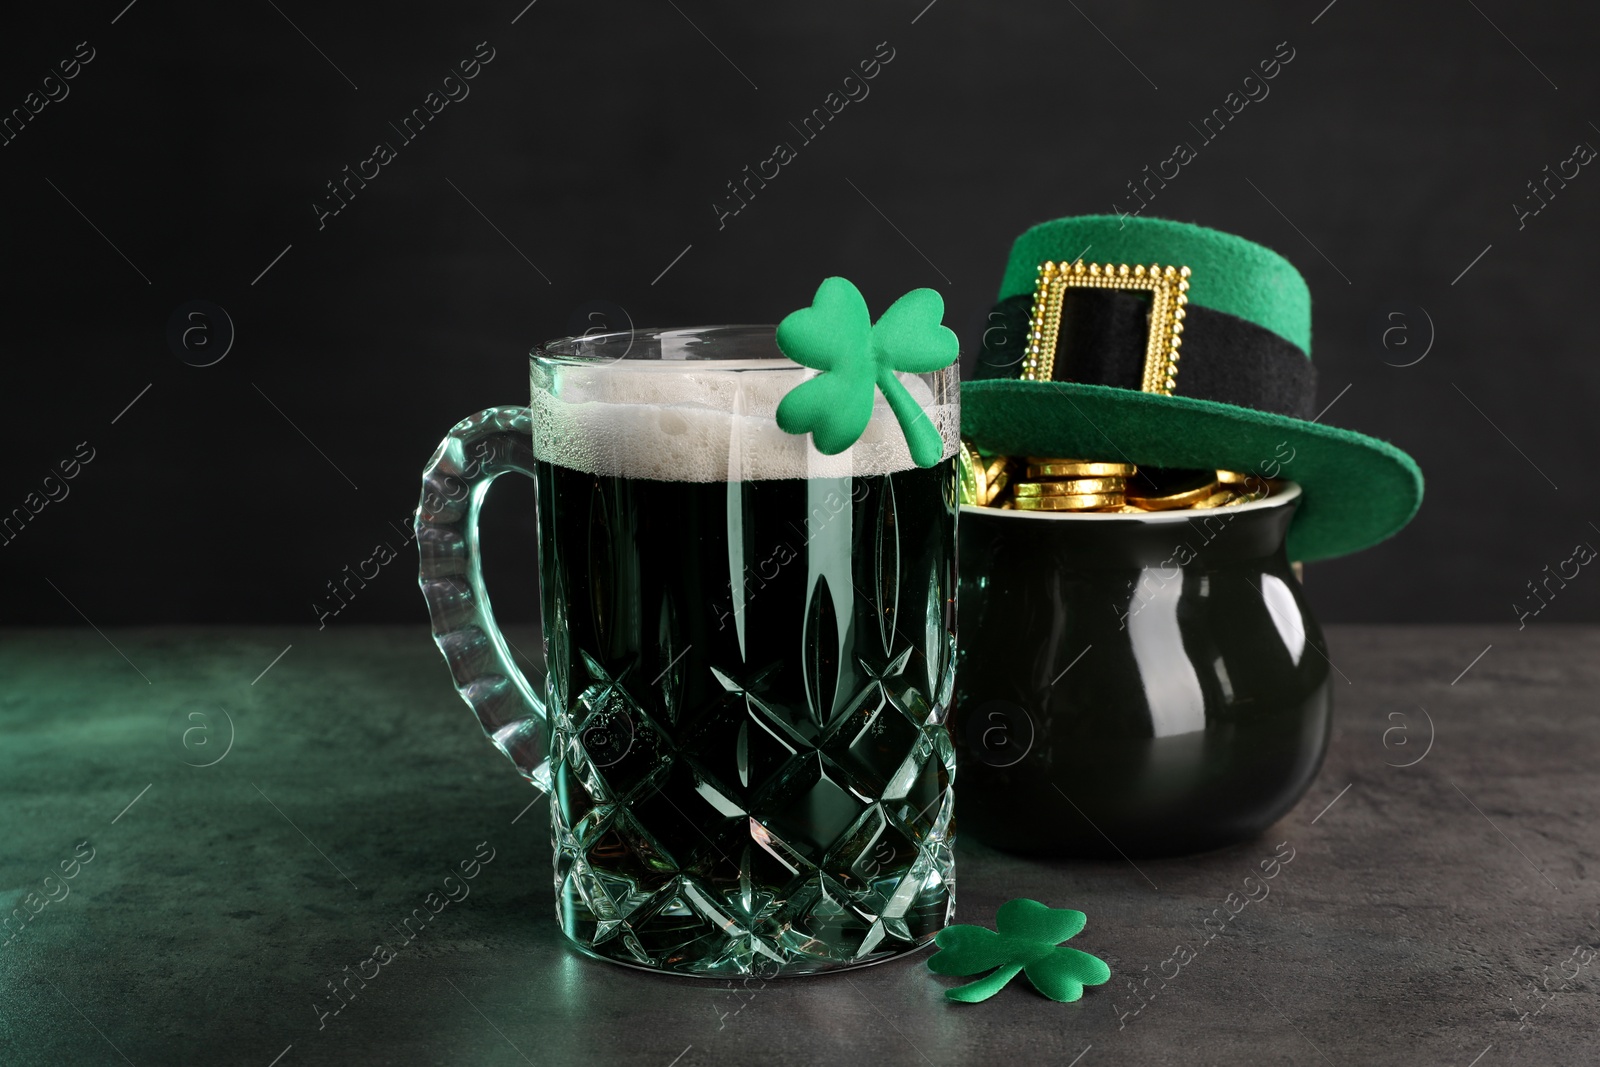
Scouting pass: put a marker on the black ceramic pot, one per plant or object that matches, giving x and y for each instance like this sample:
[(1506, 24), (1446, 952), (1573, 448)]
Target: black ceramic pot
[(1144, 685)]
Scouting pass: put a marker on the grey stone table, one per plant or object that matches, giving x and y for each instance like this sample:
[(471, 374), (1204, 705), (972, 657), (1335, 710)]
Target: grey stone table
[(1438, 913)]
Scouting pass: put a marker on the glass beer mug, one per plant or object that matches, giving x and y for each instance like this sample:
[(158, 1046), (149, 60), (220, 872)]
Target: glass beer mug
[(749, 653)]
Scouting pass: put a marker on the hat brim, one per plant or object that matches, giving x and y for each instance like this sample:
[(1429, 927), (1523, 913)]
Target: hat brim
[(1358, 490)]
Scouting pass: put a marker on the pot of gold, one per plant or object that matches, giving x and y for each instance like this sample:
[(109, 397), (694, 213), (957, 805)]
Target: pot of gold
[(1143, 470)]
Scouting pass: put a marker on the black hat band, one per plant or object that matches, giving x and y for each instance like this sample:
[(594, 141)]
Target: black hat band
[(1103, 338)]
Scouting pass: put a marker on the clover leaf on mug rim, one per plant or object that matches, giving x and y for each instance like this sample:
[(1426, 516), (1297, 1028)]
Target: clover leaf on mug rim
[(858, 358)]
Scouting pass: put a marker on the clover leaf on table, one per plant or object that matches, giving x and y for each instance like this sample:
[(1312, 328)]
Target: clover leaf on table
[(1029, 940), (857, 358)]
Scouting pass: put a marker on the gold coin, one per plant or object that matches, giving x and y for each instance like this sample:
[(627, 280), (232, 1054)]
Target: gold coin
[(996, 485), (1247, 497), (1169, 490), (969, 476), (1093, 485), (1072, 487), (1079, 468), (1077, 502), (1174, 501), (1067, 484), (1220, 498)]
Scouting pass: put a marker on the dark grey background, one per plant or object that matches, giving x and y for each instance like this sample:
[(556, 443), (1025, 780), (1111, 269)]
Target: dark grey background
[(187, 157)]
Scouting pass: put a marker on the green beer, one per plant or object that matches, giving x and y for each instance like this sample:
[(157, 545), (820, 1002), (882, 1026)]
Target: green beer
[(750, 654)]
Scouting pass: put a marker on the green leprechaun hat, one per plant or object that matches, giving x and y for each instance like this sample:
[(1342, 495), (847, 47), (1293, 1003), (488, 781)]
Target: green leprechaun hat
[(1165, 344)]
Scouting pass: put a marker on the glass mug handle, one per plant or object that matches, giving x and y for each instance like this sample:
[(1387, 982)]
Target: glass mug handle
[(476, 452)]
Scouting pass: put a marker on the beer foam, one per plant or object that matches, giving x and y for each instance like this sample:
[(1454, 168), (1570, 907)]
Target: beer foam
[(708, 421)]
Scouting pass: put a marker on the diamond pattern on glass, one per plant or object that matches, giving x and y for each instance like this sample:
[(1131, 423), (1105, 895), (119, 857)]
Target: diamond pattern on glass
[(766, 797)]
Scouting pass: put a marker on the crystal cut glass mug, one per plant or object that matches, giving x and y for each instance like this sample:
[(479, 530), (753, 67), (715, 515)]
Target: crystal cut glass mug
[(749, 648)]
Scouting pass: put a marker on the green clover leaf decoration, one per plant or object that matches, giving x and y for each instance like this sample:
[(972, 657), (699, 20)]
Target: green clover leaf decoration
[(857, 357), (1029, 940)]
